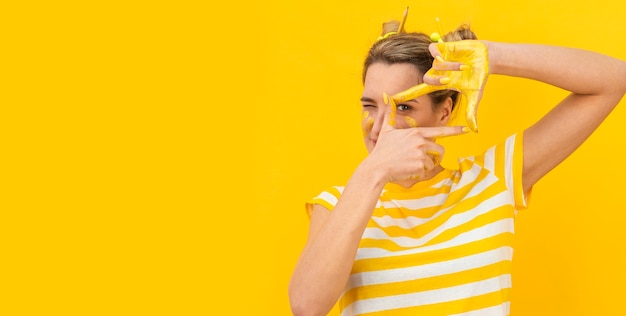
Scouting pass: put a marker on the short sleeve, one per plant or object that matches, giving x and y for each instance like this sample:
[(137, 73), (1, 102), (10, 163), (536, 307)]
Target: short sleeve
[(508, 165), (506, 161), (515, 149), (327, 198)]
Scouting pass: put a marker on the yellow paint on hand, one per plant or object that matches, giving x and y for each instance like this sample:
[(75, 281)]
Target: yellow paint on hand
[(434, 156), (472, 54)]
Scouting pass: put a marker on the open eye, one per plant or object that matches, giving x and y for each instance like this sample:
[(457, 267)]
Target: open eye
[(403, 107)]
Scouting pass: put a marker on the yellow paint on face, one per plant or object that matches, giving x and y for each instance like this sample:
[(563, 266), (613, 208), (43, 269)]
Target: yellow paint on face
[(367, 122), (392, 104), (410, 121)]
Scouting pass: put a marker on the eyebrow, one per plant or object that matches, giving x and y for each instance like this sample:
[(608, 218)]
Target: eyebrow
[(366, 99)]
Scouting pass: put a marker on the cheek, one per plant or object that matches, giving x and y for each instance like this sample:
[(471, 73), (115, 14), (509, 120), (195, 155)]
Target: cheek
[(367, 122), (410, 121), (406, 122)]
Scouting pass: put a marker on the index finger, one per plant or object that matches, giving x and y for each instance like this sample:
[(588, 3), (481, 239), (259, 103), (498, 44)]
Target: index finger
[(416, 91), (442, 131)]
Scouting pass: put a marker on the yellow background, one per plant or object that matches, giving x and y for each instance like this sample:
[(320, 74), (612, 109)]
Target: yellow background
[(157, 155)]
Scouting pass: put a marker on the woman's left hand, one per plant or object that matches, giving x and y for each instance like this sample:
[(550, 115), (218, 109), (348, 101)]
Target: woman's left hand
[(462, 66)]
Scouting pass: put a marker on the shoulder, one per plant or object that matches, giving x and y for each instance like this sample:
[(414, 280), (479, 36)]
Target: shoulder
[(496, 157), (501, 163)]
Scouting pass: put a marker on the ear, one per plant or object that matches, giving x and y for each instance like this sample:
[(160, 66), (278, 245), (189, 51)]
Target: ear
[(444, 111)]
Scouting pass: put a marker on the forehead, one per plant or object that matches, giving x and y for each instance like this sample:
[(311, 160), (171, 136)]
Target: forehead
[(390, 79)]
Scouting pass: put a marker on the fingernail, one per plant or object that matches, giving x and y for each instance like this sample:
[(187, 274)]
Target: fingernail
[(464, 67), (465, 129), (444, 80), (439, 59)]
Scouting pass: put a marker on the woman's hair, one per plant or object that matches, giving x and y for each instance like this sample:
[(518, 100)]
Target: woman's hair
[(412, 48)]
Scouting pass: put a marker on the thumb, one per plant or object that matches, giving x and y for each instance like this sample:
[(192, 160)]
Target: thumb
[(389, 120)]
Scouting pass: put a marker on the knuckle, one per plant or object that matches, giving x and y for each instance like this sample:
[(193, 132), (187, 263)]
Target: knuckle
[(420, 165)]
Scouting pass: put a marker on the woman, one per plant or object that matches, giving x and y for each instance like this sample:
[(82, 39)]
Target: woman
[(406, 236)]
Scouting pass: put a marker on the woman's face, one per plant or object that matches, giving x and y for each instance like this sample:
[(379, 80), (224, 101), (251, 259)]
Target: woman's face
[(391, 79)]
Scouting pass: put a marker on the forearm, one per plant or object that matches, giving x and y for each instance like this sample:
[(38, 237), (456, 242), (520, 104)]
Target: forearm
[(325, 264), (597, 83), (579, 71)]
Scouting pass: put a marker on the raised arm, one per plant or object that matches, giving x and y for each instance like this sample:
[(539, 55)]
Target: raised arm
[(597, 83)]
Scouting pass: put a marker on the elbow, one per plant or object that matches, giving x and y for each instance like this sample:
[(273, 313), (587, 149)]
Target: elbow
[(303, 305), (302, 310), (298, 310)]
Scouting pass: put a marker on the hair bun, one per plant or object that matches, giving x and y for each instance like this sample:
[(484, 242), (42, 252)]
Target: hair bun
[(463, 32)]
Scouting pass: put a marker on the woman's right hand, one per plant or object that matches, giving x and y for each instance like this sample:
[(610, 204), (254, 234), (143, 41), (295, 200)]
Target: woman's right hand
[(408, 153)]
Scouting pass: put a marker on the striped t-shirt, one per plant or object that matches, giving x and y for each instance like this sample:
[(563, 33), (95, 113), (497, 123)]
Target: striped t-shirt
[(443, 246)]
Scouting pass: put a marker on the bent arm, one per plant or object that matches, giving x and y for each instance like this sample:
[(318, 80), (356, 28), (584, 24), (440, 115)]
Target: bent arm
[(326, 261), (324, 266), (597, 83)]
